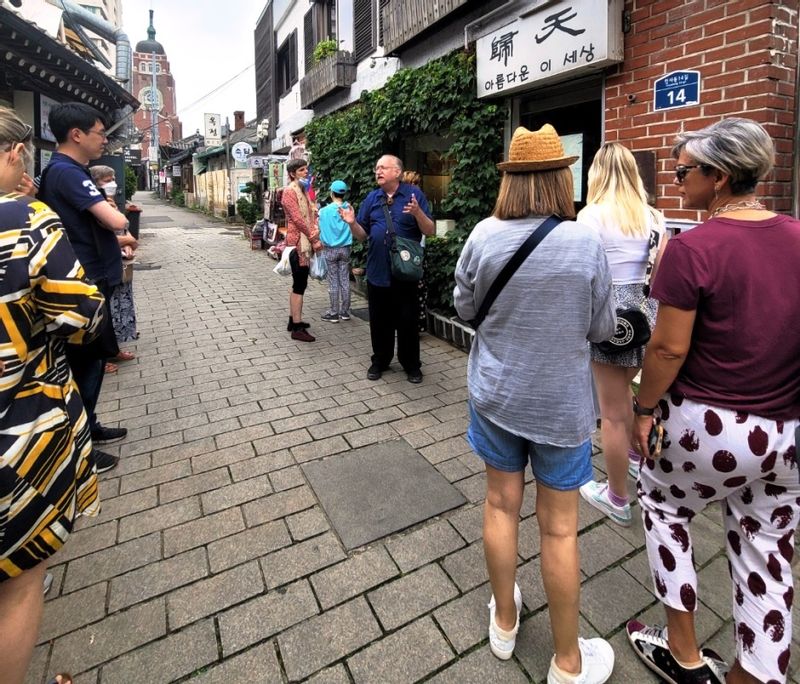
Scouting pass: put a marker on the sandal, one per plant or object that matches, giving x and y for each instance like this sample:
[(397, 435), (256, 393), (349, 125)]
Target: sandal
[(125, 356), (111, 367)]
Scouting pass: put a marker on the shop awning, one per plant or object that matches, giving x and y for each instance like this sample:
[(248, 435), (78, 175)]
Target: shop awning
[(33, 61)]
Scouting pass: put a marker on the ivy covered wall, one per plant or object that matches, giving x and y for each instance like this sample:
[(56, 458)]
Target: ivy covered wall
[(437, 98)]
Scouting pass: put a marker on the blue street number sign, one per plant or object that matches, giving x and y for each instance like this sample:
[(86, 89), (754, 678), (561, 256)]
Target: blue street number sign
[(678, 89)]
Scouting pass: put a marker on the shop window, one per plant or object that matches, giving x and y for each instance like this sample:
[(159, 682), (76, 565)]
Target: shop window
[(287, 64), (428, 156)]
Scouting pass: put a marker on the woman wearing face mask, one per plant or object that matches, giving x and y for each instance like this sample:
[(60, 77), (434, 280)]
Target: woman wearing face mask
[(123, 311), (47, 475)]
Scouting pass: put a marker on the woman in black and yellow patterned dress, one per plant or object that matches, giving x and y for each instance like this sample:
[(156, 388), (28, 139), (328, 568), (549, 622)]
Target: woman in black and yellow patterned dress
[(46, 478)]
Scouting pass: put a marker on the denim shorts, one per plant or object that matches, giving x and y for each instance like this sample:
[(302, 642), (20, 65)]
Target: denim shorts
[(562, 468)]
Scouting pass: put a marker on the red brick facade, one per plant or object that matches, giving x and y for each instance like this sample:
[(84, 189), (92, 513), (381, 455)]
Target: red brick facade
[(746, 52)]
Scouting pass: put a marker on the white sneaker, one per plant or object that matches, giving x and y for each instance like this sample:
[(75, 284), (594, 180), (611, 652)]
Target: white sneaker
[(596, 494), (597, 663), (502, 642), (633, 464)]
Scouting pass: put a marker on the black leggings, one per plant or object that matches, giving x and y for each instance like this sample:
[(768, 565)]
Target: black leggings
[(299, 274)]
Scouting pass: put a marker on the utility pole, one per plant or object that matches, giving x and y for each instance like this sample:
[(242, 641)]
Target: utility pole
[(154, 113), (231, 209)]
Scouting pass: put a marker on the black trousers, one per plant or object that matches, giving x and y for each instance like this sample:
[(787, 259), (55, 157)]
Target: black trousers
[(88, 365), (394, 309)]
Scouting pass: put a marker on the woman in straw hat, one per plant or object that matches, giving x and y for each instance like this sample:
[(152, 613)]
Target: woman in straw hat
[(633, 238), (530, 388)]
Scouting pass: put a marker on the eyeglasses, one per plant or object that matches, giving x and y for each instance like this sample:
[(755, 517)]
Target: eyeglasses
[(682, 169), (101, 132), (385, 168)]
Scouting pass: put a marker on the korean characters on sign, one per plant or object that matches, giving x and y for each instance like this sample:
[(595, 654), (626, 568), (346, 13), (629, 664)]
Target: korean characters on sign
[(559, 38)]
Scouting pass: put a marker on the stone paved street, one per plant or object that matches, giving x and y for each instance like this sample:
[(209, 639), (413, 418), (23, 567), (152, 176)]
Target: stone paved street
[(212, 559)]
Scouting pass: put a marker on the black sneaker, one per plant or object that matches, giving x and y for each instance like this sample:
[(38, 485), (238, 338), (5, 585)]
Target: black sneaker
[(344, 316), (374, 372), (415, 377), (330, 317), (104, 461), (650, 644), (106, 435)]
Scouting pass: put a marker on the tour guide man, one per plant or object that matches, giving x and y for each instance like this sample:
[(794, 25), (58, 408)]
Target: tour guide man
[(393, 304)]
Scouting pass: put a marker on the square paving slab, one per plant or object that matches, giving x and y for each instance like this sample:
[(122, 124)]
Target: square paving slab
[(371, 492)]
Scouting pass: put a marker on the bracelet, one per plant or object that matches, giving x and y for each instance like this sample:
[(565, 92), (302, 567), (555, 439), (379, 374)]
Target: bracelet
[(640, 410)]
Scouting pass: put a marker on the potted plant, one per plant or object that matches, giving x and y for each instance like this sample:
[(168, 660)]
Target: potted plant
[(325, 48)]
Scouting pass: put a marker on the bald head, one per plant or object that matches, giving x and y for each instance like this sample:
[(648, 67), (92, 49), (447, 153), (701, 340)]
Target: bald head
[(388, 171)]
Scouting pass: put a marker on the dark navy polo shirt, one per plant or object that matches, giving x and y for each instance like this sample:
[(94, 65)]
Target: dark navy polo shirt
[(69, 191), (372, 220)]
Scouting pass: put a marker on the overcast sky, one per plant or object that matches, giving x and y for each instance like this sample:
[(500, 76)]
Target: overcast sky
[(207, 43)]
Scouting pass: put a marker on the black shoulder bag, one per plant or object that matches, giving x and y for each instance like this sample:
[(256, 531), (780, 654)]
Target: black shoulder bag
[(405, 254), (633, 328), (539, 234)]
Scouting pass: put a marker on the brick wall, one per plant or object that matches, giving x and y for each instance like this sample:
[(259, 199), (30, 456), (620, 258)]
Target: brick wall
[(746, 52)]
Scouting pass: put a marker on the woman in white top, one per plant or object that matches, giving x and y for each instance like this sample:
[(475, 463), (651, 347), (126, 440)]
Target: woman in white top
[(617, 208)]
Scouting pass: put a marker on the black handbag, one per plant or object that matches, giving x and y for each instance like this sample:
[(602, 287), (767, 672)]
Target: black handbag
[(405, 254), (539, 233), (633, 328)]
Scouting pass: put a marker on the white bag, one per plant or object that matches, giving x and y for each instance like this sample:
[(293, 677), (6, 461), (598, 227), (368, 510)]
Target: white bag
[(284, 268), (317, 267)]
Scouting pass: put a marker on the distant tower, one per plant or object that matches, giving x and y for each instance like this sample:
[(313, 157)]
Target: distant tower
[(147, 53)]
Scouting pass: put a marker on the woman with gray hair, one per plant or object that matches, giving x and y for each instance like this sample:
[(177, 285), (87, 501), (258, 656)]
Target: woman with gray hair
[(120, 302), (721, 377)]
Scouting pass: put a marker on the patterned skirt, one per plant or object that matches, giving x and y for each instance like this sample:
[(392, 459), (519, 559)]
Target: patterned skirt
[(123, 312), (47, 477), (626, 297)]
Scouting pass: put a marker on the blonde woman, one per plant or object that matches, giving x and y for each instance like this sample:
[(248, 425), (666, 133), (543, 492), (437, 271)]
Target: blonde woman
[(617, 208)]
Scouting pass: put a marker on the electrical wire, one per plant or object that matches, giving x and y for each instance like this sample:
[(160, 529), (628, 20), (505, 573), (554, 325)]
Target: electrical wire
[(219, 87)]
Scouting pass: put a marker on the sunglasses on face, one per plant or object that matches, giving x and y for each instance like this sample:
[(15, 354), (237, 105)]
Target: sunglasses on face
[(682, 169)]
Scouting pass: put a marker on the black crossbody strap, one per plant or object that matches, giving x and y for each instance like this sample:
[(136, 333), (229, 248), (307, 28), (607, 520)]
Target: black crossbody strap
[(388, 216), (539, 234)]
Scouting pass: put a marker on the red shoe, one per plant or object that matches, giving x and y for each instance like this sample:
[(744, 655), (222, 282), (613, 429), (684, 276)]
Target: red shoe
[(302, 336)]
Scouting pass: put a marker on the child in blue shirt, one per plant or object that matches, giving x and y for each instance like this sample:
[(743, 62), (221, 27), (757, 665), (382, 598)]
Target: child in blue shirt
[(336, 240)]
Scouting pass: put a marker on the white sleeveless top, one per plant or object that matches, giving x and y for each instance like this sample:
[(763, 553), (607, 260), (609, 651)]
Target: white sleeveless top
[(627, 256)]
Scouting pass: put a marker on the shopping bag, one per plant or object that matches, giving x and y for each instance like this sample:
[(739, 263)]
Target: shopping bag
[(284, 268)]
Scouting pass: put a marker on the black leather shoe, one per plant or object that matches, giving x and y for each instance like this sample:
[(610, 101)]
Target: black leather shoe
[(374, 372), (415, 377)]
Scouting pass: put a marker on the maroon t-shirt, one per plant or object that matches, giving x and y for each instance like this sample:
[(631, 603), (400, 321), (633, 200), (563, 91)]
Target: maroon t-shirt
[(743, 278)]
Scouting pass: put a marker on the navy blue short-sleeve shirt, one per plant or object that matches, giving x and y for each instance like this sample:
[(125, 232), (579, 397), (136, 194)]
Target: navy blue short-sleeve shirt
[(69, 191), (372, 220)]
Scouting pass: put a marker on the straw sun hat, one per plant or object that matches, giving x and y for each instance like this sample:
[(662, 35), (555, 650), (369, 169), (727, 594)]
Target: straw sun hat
[(535, 151)]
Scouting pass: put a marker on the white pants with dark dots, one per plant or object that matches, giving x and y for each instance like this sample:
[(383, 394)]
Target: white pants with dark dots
[(748, 465)]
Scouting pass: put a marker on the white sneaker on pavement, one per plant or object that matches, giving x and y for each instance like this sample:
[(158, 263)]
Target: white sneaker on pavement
[(502, 642), (597, 663), (596, 494)]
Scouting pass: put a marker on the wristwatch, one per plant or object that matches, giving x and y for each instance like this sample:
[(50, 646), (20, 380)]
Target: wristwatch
[(640, 410)]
